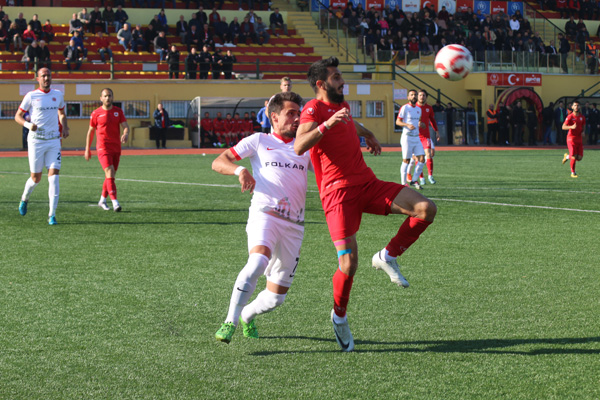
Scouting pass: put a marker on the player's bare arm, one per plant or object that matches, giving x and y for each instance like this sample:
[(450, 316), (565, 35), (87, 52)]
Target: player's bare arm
[(225, 165), (308, 134), (373, 145), (125, 135), (62, 117), (20, 119), (403, 124), (88, 143)]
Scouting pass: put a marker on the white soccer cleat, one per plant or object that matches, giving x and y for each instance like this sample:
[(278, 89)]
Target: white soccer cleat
[(103, 205), (422, 181), (342, 334), (391, 268), (431, 180)]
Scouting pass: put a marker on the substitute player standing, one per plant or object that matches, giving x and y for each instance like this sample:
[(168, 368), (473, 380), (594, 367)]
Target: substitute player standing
[(409, 118), (348, 188), (107, 122), (575, 123), (276, 221), (47, 109)]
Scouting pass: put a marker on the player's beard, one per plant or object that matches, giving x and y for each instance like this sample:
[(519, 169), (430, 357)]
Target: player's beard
[(413, 102), (333, 95)]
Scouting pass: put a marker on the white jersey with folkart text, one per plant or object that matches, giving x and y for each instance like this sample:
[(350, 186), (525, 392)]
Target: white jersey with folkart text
[(410, 115), (43, 108), (280, 175)]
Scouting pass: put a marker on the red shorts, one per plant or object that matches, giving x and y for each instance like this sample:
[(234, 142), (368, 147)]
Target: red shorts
[(344, 207), (575, 148), (426, 142), (108, 159)]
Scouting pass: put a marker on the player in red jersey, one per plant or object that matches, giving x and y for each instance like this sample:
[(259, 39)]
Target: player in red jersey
[(206, 131), (219, 129), (107, 121), (348, 188), (575, 123), (427, 117), (229, 133)]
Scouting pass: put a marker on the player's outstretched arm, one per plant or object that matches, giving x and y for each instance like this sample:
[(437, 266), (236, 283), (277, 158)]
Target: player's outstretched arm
[(372, 143), (88, 143), (224, 164)]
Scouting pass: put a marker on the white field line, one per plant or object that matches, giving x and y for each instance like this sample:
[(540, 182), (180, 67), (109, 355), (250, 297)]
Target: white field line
[(516, 205)]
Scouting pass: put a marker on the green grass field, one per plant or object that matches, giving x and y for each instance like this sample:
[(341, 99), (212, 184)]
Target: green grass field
[(503, 300)]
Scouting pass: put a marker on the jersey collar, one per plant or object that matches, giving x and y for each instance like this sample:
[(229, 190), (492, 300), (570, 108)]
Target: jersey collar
[(283, 139)]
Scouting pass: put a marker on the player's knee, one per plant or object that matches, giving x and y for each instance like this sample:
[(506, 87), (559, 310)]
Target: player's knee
[(255, 267), (426, 210), (273, 300), (36, 178)]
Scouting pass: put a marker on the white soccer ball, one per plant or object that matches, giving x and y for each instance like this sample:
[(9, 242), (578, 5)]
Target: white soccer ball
[(453, 62)]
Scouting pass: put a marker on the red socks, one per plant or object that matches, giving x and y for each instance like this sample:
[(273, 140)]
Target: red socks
[(573, 161), (429, 163), (342, 284), (109, 188), (408, 233)]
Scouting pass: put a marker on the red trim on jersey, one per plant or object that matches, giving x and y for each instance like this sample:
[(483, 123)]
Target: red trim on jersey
[(283, 139), (43, 91), (237, 156)]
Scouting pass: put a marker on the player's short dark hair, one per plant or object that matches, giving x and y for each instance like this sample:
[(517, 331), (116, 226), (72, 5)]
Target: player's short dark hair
[(109, 89), (276, 102), (318, 71), (423, 91)]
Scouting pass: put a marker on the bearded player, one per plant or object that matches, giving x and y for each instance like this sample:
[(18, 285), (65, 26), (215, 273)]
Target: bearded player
[(410, 120), (348, 188), (428, 118), (276, 221), (107, 122), (575, 123)]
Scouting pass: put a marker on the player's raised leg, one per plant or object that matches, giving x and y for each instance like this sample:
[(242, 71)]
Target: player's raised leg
[(421, 213)]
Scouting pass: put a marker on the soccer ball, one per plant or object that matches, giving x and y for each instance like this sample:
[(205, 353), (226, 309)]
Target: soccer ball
[(453, 62)]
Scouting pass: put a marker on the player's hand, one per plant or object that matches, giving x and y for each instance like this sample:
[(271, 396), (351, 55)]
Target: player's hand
[(437, 136), (373, 145), (411, 127), (342, 115), (87, 155), (422, 125), (247, 181), (124, 138), (65, 132), (34, 127)]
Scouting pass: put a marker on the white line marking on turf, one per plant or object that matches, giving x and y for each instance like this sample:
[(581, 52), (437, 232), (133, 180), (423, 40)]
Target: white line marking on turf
[(516, 205), (525, 190)]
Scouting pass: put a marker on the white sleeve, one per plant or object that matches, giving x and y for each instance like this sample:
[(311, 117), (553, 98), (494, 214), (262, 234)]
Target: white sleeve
[(62, 101), (26, 103), (247, 146)]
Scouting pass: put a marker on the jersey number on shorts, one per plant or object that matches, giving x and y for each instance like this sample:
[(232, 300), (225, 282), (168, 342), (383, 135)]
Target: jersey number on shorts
[(294, 270), (58, 158)]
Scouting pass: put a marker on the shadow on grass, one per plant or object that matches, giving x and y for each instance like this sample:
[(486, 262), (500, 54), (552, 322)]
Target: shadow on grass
[(485, 346)]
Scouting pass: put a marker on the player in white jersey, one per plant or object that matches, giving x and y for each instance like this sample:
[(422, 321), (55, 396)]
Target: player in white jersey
[(409, 118), (47, 109), (276, 222)]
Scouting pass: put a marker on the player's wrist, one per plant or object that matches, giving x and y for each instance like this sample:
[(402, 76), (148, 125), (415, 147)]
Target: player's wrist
[(28, 125), (323, 127), (239, 170)]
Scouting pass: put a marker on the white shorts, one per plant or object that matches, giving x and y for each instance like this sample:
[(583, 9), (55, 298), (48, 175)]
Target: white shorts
[(43, 153), (411, 145), (283, 238)]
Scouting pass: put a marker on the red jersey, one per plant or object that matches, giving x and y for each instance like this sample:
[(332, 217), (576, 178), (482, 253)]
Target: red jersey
[(206, 124), (575, 134), (237, 125), (337, 157), (247, 126), (219, 125), (228, 124), (427, 117), (108, 129)]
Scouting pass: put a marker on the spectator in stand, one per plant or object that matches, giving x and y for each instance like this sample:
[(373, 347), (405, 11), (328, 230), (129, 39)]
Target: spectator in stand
[(201, 17), (162, 17), (120, 18), (251, 16), (193, 38), (103, 47), (547, 120), (564, 48), (173, 60), (213, 18), (149, 36), (85, 18), (582, 37), (191, 64), (32, 52), (6, 22), (247, 31), (137, 39), (573, 7), (4, 38), (108, 17), (207, 37), (15, 35), (47, 32), (75, 25), (187, 3), (234, 30), (72, 55), (21, 23), (36, 26), (552, 53), (222, 31), (276, 22), (78, 38), (161, 45), (205, 60), (592, 58), (125, 37), (571, 28), (260, 30), (515, 25), (157, 25), (182, 29), (29, 35), (96, 20), (228, 61), (217, 64)]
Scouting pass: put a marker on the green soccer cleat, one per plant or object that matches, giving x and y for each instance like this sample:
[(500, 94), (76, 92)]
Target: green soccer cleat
[(23, 207), (249, 329), (225, 333)]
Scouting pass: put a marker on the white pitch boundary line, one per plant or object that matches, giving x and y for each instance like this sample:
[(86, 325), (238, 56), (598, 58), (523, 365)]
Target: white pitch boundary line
[(516, 205), (526, 190)]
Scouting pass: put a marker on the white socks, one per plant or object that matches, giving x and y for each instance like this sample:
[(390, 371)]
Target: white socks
[(265, 301), (403, 171), (29, 186), (245, 285), (418, 170), (53, 192)]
